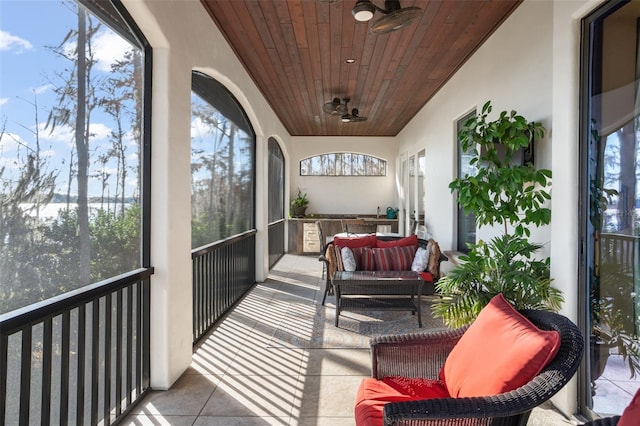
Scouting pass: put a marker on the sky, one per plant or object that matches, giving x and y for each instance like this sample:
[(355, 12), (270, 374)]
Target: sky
[(29, 69)]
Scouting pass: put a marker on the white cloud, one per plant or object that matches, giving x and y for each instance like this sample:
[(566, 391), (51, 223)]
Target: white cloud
[(200, 129), (4, 101), (14, 43), (9, 142), (109, 48), (66, 133), (99, 131), (59, 134), (42, 89)]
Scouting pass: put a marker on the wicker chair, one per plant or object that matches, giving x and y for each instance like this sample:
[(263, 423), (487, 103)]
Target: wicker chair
[(422, 355)]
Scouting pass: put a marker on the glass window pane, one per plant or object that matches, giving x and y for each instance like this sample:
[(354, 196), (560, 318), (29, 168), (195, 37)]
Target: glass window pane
[(612, 170), (343, 164), (71, 91), (466, 221), (222, 164)]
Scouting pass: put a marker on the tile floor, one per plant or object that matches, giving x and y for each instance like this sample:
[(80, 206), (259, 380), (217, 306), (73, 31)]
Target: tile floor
[(237, 379)]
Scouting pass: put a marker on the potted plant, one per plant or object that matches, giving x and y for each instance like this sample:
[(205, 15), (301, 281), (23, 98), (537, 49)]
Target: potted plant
[(501, 193), (299, 204)]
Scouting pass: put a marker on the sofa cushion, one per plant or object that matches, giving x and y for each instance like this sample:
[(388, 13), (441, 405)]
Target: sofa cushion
[(337, 253), (434, 258), (501, 351), (364, 259), (373, 394), (348, 259), (420, 260), (402, 257), (411, 240), (631, 414), (382, 258), (368, 240), (426, 276)]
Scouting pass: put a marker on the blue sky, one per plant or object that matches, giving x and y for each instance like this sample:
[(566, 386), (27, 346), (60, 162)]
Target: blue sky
[(28, 71)]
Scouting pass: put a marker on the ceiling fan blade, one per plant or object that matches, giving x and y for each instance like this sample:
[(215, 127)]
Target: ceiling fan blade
[(332, 107)]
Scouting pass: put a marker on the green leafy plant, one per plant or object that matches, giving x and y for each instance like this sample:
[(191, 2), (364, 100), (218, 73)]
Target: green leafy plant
[(301, 200), (299, 204), (507, 194), (504, 265)]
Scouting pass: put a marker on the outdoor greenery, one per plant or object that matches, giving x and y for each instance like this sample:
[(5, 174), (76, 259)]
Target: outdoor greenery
[(506, 193), (91, 228), (221, 175)]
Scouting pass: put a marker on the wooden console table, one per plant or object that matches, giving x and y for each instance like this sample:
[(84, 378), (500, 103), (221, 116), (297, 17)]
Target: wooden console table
[(378, 291)]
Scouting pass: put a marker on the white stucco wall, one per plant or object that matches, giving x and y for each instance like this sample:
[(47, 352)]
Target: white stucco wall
[(531, 65), (511, 70), (184, 38), (346, 195)]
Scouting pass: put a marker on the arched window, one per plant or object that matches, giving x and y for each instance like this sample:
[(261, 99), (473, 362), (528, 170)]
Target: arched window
[(276, 181), (343, 164), (222, 163)]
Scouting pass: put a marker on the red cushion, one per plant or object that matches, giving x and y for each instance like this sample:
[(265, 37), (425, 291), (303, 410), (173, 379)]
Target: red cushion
[(382, 259), (426, 276), (368, 240), (373, 394), (411, 240), (631, 414), (402, 257), (364, 259), (501, 351)]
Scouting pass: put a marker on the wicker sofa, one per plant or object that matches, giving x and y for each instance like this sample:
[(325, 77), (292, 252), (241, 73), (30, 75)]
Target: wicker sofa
[(408, 248)]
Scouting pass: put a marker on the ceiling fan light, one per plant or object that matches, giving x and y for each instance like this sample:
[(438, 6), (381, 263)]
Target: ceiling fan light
[(363, 10), (346, 118)]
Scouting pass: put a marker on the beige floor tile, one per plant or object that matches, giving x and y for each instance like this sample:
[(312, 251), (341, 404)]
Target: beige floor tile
[(241, 421), (326, 396), (268, 361), (323, 421), (250, 396), (336, 362), (186, 397), (159, 420)]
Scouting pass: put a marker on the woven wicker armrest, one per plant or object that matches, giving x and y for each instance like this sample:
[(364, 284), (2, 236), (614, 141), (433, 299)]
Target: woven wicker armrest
[(456, 411), (396, 355)]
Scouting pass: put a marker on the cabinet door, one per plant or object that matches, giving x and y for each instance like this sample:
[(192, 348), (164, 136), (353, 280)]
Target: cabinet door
[(310, 238)]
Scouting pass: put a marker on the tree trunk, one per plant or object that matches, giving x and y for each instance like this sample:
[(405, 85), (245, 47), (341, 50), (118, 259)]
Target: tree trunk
[(82, 148)]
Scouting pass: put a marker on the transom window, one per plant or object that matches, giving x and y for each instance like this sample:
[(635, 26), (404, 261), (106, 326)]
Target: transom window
[(343, 164)]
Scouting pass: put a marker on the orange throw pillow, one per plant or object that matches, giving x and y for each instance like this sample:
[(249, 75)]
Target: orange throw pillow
[(501, 351), (631, 414)]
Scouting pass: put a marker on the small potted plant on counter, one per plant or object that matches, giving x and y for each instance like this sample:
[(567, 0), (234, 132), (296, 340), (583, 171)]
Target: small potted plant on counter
[(299, 204)]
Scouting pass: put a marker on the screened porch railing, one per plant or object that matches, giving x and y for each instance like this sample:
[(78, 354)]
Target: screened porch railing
[(222, 273), (78, 358)]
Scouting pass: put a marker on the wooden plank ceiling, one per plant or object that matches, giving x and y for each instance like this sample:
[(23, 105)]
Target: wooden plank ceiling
[(295, 51)]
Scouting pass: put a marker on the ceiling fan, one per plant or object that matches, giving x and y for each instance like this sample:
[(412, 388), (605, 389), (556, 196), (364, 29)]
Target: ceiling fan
[(341, 109), (395, 17)]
